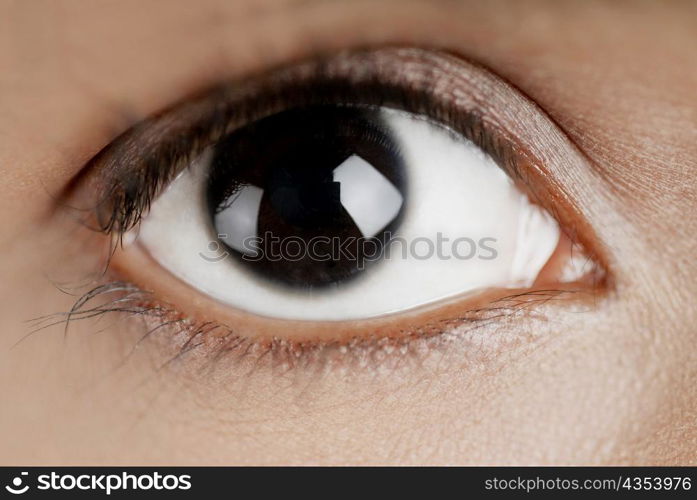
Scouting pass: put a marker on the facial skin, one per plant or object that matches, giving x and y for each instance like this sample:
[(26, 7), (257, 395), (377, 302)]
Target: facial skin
[(612, 384)]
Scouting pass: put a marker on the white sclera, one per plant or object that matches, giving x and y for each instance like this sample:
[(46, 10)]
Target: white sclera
[(456, 195)]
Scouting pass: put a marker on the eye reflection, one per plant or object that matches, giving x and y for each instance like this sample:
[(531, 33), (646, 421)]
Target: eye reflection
[(313, 175)]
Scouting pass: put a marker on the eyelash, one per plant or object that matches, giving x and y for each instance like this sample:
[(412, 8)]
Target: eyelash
[(126, 193), (161, 146), (219, 341)]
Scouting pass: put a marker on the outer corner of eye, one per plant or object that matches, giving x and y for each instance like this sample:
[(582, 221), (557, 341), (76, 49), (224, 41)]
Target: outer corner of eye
[(349, 212)]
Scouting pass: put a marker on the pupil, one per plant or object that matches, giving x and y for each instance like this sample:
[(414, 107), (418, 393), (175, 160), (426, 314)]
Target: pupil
[(307, 197)]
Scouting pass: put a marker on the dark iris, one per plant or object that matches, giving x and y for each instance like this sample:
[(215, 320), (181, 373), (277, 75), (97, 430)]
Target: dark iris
[(308, 197)]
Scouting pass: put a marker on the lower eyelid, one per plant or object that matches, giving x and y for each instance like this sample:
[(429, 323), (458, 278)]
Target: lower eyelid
[(481, 337), (494, 325), (479, 307)]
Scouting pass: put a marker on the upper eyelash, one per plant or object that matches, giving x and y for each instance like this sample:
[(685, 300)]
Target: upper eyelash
[(141, 162)]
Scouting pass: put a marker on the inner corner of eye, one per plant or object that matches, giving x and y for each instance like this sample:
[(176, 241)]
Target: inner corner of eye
[(349, 212)]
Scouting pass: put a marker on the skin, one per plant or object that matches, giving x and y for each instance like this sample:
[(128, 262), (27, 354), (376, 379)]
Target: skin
[(613, 384)]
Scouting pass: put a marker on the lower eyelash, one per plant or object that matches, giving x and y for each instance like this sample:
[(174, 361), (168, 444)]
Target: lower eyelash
[(186, 338)]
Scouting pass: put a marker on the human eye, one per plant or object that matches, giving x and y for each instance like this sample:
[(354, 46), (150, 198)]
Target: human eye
[(330, 199)]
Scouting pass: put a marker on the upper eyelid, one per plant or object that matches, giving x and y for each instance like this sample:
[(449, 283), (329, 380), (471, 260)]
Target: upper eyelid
[(173, 138), (129, 173)]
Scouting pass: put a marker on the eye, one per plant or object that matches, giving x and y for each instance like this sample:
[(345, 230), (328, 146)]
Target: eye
[(349, 188), (346, 212)]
